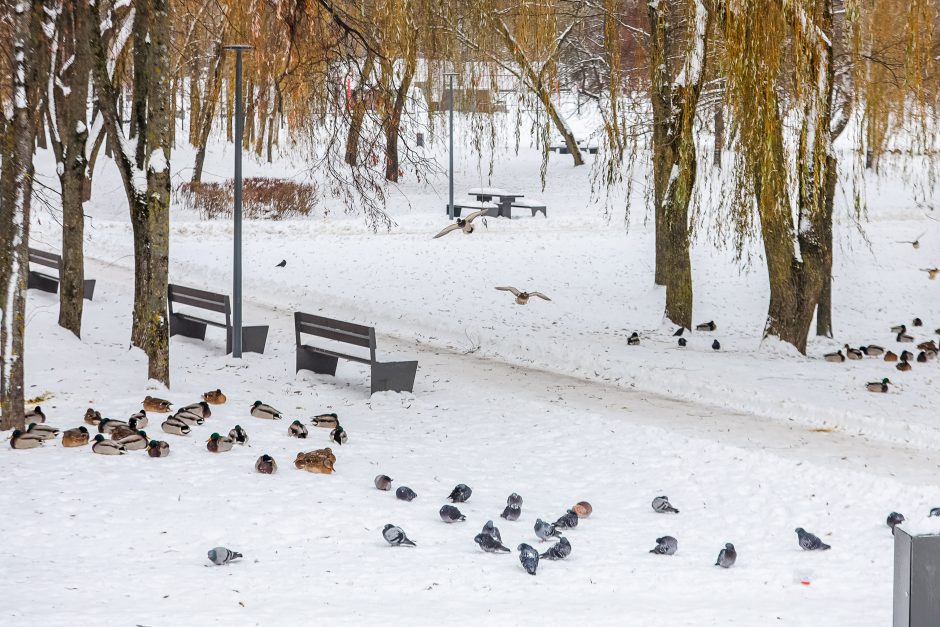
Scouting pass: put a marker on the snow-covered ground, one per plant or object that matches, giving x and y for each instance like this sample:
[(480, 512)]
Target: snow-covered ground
[(545, 400)]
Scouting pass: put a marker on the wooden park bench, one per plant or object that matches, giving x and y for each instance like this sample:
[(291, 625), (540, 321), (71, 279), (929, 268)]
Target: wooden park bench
[(395, 376), (188, 325), (47, 282)]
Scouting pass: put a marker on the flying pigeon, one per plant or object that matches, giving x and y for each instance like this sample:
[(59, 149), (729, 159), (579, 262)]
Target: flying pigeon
[(512, 512), (661, 505), (404, 493), (666, 545), (558, 551), (221, 555), (460, 494), (395, 536), (451, 514), (490, 544), (528, 557), (568, 521), (809, 542), (545, 530), (727, 556), (489, 529)]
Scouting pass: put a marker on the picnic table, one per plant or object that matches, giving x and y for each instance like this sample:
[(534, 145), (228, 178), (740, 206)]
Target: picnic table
[(504, 206)]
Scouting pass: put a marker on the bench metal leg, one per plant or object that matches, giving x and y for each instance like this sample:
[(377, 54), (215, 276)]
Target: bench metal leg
[(187, 328), (457, 210), (89, 289), (321, 364), (41, 282), (535, 210), (394, 376)]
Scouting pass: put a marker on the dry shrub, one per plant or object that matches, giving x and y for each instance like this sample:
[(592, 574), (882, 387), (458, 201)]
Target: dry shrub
[(262, 198)]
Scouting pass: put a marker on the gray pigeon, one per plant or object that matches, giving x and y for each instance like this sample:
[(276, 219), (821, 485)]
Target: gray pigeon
[(404, 493), (383, 482), (558, 551), (727, 556), (489, 529), (395, 536), (661, 505), (934, 512), (460, 494), (667, 545), (809, 542), (512, 512), (451, 514), (545, 530), (567, 521), (894, 519), (528, 557), (514, 499), (221, 555), (282, 264), (490, 544)]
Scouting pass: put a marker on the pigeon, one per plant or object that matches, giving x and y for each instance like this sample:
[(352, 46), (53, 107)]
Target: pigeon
[(727, 556), (511, 513), (661, 505), (490, 544), (514, 499), (395, 536), (558, 551), (383, 482), (460, 494), (464, 224), (451, 514), (523, 297), (809, 542), (706, 326), (239, 435), (545, 530), (221, 555), (667, 545), (568, 521), (404, 493), (489, 529), (716, 345), (679, 332), (282, 264), (682, 342), (634, 339), (934, 512), (894, 519), (529, 558)]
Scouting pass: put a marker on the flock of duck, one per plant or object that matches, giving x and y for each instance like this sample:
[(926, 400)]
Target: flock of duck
[(928, 352), (129, 435)]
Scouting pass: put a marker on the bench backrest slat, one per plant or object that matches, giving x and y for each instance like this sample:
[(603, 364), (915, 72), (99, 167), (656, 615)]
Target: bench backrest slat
[(43, 258), (199, 298), (337, 330)]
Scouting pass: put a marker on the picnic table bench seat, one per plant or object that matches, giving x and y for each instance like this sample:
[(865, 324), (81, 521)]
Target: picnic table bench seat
[(529, 203)]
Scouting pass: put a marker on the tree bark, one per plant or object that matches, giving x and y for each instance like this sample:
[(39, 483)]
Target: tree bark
[(358, 111), (393, 119), (208, 110)]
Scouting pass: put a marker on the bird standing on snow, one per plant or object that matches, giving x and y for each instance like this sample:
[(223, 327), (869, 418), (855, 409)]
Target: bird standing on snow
[(463, 224), (716, 345), (35, 415), (239, 435), (338, 435), (682, 342), (490, 529), (404, 493), (514, 499), (490, 544), (706, 326), (523, 297), (45, 432), (545, 530), (511, 513), (158, 405), (460, 494), (75, 437), (383, 482), (106, 447), (297, 430), (634, 339), (138, 420), (214, 397), (190, 418), (260, 410), (266, 465), (395, 536), (568, 520), (878, 386), (529, 558), (667, 545), (809, 542), (727, 556), (326, 421), (157, 448), (221, 555), (894, 519), (92, 416), (661, 505), (219, 444), (282, 264), (558, 551), (835, 358), (201, 408), (451, 514), (175, 426), (20, 440)]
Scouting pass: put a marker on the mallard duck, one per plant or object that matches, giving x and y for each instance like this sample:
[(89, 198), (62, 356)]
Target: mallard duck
[(75, 437), (201, 408), (931, 272), (35, 415), (634, 339), (889, 356), (214, 397), (122, 431), (239, 435), (138, 420), (338, 435), (853, 353), (21, 440), (219, 444), (175, 426), (931, 354), (583, 509), (927, 346), (260, 410), (318, 465), (706, 326), (878, 386), (907, 355), (266, 465), (873, 350), (328, 421), (836, 357), (44, 431), (136, 442), (899, 328), (158, 405), (922, 357), (106, 447), (92, 417), (107, 425), (523, 297), (158, 448), (918, 322), (193, 420), (904, 337), (463, 224), (297, 430), (904, 366)]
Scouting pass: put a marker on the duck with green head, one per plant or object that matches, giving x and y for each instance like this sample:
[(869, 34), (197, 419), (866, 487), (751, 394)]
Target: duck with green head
[(106, 447), (260, 410), (297, 430), (23, 440), (157, 448), (338, 435), (41, 430), (219, 444), (879, 386)]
